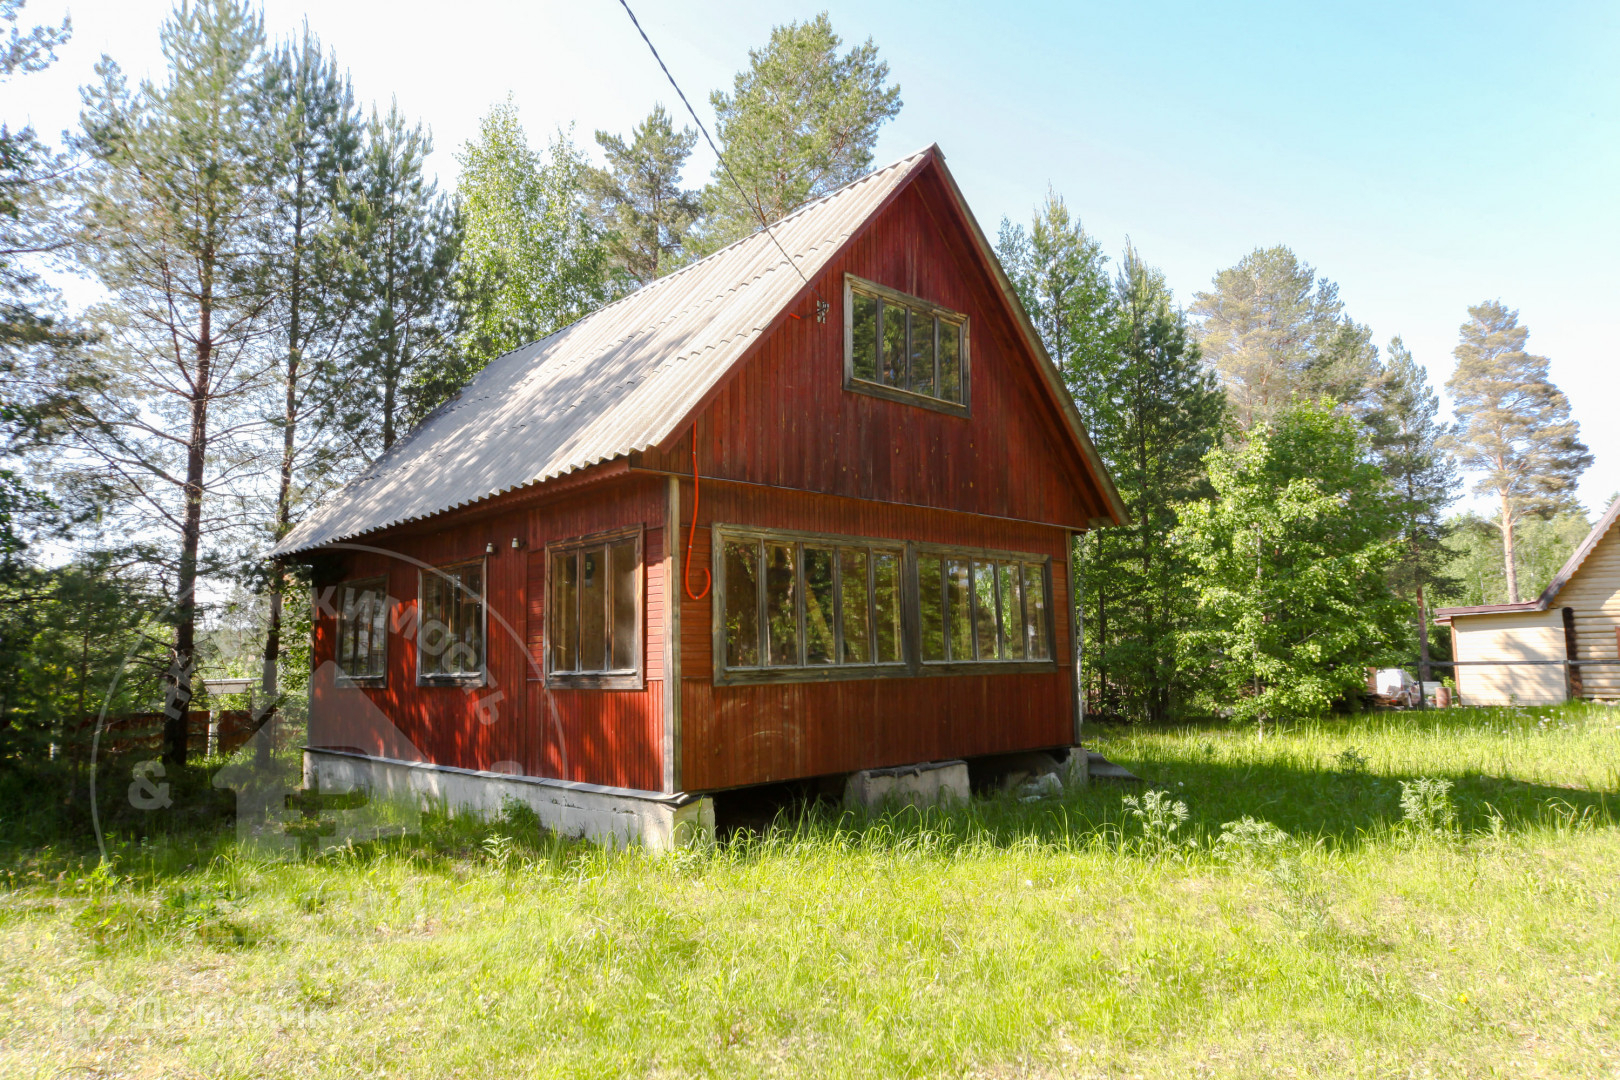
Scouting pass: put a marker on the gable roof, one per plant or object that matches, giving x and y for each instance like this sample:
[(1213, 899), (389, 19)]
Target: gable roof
[(627, 376), (1560, 579)]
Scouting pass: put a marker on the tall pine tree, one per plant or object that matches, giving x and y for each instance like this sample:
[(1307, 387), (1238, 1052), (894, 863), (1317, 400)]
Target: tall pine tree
[(1277, 334), (1513, 426), (403, 242), (800, 122), (1406, 442), (317, 131), (645, 213), (1160, 412), (176, 193)]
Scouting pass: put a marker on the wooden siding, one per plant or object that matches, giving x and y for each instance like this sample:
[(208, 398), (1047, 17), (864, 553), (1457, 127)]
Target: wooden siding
[(737, 735), (598, 736), (1533, 635), (785, 419), (1593, 592)]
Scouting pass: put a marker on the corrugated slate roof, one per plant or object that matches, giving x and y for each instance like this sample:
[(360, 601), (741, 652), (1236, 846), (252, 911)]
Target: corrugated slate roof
[(620, 379)]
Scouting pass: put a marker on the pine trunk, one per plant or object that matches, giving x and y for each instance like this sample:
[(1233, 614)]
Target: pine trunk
[(1509, 563), (185, 634)]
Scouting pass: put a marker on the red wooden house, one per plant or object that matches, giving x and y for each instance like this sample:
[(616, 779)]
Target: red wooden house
[(754, 522)]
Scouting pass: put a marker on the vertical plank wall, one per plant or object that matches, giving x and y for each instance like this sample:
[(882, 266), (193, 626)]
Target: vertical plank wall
[(608, 737), (737, 735)]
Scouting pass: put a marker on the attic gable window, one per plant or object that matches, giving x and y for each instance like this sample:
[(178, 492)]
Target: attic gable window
[(593, 622), (904, 348)]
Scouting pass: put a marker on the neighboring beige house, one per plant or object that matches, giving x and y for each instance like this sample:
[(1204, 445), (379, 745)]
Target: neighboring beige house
[(1577, 617)]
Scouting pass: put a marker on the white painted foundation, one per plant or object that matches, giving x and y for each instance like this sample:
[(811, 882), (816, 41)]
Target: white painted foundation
[(607, 815)]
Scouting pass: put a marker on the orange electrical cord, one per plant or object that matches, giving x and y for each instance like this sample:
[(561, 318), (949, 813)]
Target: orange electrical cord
[(686, 570)]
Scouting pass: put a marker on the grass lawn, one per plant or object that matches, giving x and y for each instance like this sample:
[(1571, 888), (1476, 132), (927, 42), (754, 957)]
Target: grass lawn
[(1062, 937)]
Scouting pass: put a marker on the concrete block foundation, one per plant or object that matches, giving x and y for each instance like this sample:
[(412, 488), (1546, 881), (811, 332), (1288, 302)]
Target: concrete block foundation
[(607, 815), (931, 783)]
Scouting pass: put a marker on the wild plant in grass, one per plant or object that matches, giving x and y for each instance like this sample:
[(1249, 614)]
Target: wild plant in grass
[(1351, 760), (1426, 805), (1159, 816), (1251, 840)]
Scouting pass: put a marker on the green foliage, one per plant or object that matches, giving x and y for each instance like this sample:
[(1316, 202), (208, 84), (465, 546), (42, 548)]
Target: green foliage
[(532, 259), (1153, 411), (1513, 426), (1473, 552), (643, 210), (800, 122), (1278, 334), (1061, 277), (1426, 805), (1157, 412), (403, 240), (1293, 554)]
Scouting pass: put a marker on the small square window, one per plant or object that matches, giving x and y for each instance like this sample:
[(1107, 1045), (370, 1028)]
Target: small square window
[(450, 635)]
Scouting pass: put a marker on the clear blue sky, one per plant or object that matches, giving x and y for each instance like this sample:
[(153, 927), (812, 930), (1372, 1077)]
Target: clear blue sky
[(1424, 156)]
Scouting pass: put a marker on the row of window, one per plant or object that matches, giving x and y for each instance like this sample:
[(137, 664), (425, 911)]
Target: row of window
[(818, 605)]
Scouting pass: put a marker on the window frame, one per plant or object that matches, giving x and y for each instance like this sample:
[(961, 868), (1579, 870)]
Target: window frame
[(995, 557), (911, 664), (462, 679), (632, 678), (374, 682), (964, 408)]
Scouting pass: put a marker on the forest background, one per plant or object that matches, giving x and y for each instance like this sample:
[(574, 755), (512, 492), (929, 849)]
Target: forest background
[(283, 291)]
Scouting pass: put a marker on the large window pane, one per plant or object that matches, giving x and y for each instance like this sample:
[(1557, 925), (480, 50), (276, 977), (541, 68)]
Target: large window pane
[(950, 361), (886, 605), (959, 608), (864, 336), (362, 648), (742, 603), (820, 647), (931, 601), (593, 577), (451, 634), (564, 611), (781, 605), (984, 609), (893, 371), (857, 619), (922, 353), (626, 629), (1012, 612), (1036, 647)]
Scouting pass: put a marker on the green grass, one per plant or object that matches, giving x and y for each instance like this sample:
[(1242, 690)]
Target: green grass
[(1005, 939)]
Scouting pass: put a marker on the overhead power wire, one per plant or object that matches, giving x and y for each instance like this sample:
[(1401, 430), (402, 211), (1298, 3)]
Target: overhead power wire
[(759, 212)]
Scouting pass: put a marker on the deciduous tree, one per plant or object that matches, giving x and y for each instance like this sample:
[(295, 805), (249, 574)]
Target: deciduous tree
[(1293, 555), (532, 259)]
